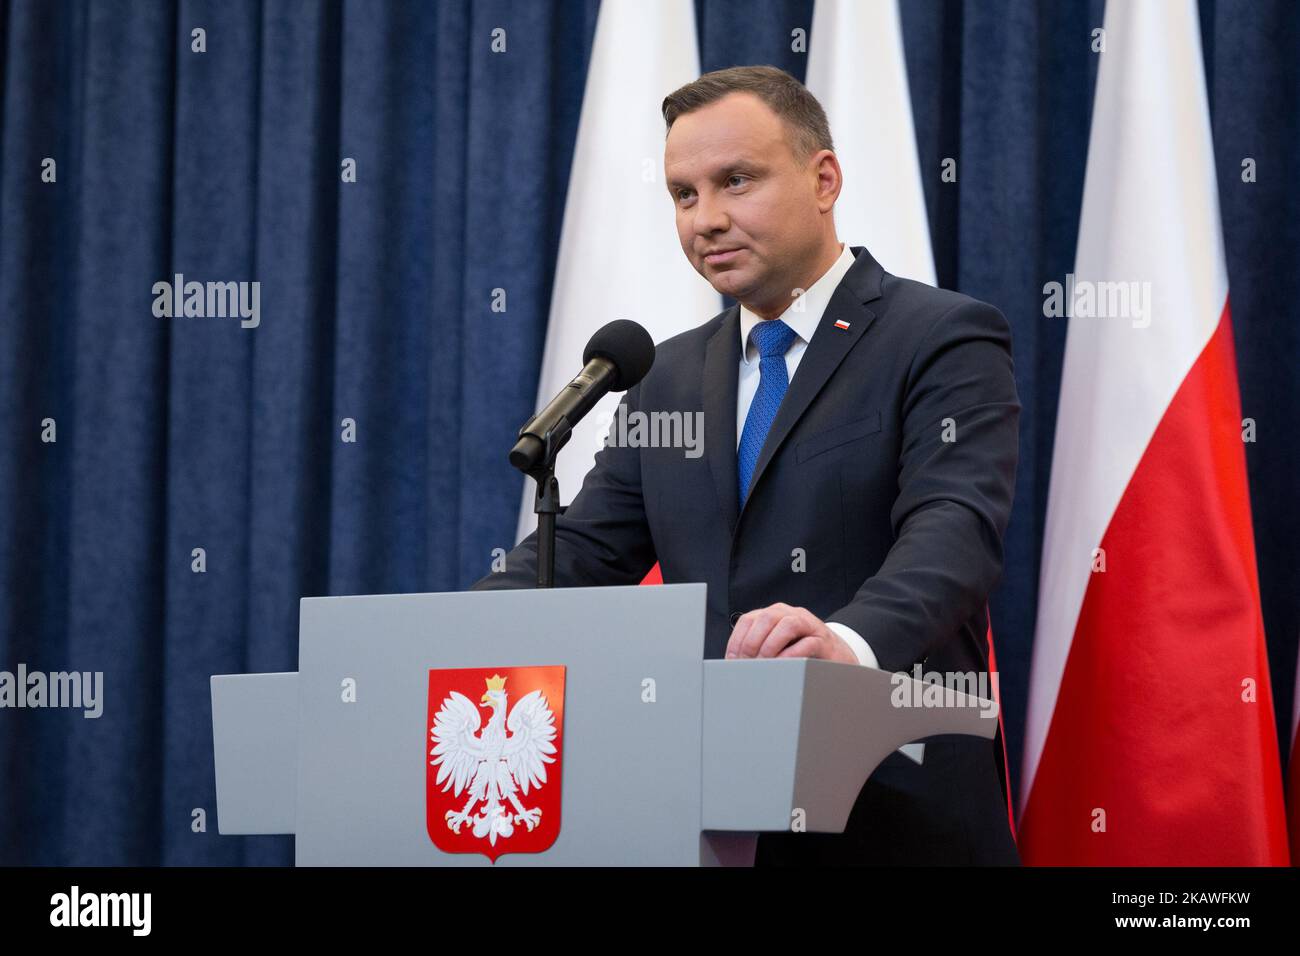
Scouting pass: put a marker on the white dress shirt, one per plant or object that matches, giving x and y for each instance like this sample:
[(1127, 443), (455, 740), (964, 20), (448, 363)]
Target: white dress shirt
[(803, 315)]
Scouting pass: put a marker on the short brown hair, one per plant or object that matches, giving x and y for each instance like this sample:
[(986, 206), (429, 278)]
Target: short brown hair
[(784, 95)]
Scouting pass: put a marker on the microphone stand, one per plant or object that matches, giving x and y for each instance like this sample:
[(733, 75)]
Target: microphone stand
[(546, 503), (547, 506)]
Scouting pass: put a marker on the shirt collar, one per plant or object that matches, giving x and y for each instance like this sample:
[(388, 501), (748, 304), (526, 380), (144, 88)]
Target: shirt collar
[(805, 312)]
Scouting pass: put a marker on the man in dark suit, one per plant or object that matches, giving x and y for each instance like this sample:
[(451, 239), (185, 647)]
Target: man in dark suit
[(860, 441)]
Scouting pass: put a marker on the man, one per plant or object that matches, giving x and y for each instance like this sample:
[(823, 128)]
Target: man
[(860, 436)]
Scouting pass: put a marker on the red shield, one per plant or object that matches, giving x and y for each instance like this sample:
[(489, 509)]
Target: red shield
[(494, 743)]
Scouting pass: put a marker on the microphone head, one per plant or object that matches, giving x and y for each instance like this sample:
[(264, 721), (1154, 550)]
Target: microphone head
[(626, 345)]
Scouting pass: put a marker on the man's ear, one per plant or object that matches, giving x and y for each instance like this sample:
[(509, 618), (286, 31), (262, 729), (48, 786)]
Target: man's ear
[(830, 178)]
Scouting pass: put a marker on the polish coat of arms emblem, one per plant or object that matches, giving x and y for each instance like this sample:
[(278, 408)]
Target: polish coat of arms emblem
[(494, 764)]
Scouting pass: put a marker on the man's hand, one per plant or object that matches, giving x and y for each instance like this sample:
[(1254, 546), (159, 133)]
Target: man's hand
[(780, 630)]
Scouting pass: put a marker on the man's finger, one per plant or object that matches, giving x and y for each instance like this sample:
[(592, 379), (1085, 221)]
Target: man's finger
[(738, 633), (730, 649), (804, 647), (762, 624), (753, 628), (789, 629)]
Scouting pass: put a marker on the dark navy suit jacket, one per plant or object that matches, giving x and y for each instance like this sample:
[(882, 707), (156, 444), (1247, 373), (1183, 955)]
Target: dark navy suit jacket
[(890, 466)]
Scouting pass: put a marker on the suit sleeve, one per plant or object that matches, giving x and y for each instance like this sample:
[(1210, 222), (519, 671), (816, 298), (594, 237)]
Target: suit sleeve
[(602, 538), (957, 470)]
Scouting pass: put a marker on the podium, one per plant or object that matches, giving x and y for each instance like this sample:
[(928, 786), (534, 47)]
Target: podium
[(658, 756)]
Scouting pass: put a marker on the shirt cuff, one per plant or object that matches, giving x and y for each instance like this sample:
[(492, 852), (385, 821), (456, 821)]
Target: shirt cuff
[(866, 656)]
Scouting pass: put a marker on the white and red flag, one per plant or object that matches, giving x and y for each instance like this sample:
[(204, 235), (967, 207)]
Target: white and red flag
[(1150, 736), (858, 72), (619, 255)]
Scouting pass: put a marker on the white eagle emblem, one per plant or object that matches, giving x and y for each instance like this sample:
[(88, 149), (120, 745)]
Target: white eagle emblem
[(493, 764)]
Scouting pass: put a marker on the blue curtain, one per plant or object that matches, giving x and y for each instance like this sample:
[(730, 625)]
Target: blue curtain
[(174, 434)]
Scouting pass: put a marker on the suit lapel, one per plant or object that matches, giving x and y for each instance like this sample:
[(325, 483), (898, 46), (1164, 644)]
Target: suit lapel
[(820, 359), (721, 374)]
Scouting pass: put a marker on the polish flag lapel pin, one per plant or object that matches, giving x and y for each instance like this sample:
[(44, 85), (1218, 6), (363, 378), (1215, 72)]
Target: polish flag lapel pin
[(841, 325)]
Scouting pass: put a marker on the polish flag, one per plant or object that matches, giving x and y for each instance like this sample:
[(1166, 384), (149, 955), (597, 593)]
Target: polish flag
[(1150, 735), (619, 254), (857, 71)]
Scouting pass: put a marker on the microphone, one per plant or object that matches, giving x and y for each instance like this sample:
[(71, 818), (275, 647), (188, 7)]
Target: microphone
[(617, 357)]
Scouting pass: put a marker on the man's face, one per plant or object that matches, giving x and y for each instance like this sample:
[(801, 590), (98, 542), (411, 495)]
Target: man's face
[(751, 217)]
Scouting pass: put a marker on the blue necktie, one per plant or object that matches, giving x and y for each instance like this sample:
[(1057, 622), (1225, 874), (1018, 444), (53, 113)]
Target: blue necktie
[(773, 338)]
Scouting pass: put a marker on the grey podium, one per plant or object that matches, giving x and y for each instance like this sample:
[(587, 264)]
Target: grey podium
[(572, 726)]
